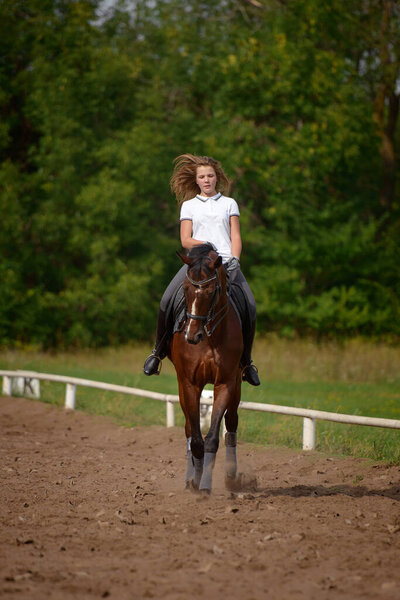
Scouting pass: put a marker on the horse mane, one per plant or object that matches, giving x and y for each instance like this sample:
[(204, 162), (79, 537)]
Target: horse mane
[(199, 254)]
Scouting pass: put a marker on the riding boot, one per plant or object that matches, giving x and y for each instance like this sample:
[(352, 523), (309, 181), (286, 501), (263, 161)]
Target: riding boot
[(249, 369), (152, 365)]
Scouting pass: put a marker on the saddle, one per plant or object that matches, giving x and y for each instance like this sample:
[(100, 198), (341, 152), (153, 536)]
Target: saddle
[(176, 312)]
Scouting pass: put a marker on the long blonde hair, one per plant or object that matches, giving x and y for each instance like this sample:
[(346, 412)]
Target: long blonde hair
[(183, 181)]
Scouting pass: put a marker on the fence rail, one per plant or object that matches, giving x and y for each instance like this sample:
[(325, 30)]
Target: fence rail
[(309, 416)]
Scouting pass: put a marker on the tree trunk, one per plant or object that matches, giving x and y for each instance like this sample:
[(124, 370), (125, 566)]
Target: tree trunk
[(386, 107)]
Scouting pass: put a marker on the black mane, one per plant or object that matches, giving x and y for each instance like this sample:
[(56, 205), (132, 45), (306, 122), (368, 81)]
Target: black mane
[(200, 251)]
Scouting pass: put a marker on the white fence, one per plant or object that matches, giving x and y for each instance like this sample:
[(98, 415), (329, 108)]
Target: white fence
[(309, 416)]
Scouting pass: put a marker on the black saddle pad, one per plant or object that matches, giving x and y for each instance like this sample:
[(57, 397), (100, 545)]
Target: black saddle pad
[(239, 303), (177, 308)]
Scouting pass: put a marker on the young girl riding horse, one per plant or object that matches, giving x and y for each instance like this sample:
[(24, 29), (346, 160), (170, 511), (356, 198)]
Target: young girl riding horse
[(207, 215)]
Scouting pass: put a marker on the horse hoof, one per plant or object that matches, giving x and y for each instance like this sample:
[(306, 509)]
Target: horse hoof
[(205, 493), (191, 485), (232, 483)]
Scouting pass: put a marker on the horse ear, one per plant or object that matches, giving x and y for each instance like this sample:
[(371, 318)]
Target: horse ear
[(216, 263), (185, 259)]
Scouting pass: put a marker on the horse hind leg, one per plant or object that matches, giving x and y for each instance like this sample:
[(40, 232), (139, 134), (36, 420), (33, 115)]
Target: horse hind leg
[(231, 424), (235, 481), (189, 465)]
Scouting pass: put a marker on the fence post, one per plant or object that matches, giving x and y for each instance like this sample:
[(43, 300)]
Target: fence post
[(170, 414), (70, 396), (7, 385), (308, 434)]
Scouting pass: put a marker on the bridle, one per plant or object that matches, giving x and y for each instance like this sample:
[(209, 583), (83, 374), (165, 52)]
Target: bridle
[(208, 319)]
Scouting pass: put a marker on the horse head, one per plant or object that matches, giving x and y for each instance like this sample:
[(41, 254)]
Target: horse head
[(205, 290)]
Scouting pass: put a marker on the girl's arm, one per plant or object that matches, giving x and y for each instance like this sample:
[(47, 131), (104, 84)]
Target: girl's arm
[(236, 238), (186, 235)]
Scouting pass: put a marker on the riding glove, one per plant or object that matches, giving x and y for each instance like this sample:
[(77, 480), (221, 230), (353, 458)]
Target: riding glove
[(232, 264)]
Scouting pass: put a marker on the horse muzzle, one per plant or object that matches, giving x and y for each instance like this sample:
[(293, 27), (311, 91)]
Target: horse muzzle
[(194, 328)]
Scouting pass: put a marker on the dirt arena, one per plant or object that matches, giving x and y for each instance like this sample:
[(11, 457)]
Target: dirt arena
[(93, 510)]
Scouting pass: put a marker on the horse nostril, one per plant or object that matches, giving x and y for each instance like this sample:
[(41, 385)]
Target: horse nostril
[(196, 339)]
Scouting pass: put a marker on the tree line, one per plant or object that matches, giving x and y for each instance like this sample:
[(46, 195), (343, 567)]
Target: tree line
[(298, 99)]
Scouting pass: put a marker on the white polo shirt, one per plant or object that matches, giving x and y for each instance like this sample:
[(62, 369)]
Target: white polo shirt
[(210, 220)]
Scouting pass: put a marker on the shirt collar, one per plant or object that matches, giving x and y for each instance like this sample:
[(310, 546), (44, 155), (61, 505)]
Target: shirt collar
[(205, 198)]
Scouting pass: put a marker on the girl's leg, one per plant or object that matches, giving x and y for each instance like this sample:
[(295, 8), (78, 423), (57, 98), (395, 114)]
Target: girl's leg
[(152, 365), (250, 372)]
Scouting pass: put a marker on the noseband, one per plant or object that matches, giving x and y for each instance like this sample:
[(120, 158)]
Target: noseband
[(211, 315)]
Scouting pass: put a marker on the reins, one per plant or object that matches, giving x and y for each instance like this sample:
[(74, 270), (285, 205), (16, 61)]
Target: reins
[(211, 315)]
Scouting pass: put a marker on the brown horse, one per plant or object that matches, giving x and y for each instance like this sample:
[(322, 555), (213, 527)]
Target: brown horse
[(208, 350)]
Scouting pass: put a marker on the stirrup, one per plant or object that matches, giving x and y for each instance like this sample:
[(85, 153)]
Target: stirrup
[(250, 374), (152, 367)]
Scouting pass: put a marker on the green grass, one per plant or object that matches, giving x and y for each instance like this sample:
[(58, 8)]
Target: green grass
[(357, 378)]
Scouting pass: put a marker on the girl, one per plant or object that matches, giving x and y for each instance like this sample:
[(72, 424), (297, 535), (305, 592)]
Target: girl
[(207, 215)]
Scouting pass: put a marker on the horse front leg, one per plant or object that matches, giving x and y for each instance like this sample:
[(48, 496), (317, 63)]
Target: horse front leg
[(211, 444), (194, 440), (194, 468), (222, 399)]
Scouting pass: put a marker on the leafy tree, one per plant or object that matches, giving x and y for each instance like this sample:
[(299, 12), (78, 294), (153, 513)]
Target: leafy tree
[(298, 100)]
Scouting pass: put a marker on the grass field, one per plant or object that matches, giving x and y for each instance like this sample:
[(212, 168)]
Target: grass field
[(355, 378)]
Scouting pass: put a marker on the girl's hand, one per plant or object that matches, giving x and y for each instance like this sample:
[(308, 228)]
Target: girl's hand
[(233, 264)]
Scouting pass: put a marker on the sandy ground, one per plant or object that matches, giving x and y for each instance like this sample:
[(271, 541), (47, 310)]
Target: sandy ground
[(93, 510)]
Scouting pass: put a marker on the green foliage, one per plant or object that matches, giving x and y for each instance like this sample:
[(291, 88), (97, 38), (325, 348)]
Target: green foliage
[(297, 100)]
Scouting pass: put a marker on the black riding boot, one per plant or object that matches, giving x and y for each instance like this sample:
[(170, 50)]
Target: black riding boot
[(152, 365), (249, 369)]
